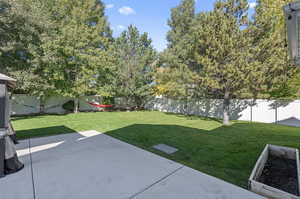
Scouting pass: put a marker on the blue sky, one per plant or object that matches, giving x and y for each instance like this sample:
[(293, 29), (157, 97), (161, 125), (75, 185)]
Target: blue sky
[(148, 15)]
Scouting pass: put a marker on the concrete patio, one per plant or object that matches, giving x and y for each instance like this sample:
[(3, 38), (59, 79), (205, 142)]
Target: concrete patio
[(93, 165)]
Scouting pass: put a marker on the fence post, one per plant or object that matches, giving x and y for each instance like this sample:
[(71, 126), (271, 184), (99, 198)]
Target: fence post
[(276, 114), (251, 113)]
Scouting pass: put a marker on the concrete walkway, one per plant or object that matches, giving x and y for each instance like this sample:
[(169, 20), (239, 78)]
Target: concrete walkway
[(93, 165)]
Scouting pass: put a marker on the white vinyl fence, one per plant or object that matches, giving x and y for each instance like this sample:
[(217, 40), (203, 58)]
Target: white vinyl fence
[(280, 112), (29, 105)]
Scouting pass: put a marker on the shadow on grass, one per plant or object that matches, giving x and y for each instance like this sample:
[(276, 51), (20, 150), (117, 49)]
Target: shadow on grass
[(34, 116), (194, 117), (228, 153), (43, 132)]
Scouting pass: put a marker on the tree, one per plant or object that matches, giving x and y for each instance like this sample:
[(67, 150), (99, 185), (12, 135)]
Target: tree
[(76, 53), (294, 86), (270, 49), (223, 49), (135, 55), (21, 26), (177, 64), (180, 22)]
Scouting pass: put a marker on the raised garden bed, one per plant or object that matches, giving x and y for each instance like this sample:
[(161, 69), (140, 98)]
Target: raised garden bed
[(276, 173)]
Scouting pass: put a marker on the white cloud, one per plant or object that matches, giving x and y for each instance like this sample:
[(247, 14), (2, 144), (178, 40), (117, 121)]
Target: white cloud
[(121, 27), (125, 10), (252, 5), (108, 6)]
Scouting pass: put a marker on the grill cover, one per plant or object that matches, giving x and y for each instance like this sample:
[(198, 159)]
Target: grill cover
[(9, 162), (4, 106)]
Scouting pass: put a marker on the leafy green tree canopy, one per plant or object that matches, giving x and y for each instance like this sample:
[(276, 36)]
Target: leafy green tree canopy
[(223, 49), (76, 54), (176, 62), (21, 25), (136, 56)]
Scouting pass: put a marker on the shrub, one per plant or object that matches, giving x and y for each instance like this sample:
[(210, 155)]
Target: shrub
[(108, 100), (69, 106)]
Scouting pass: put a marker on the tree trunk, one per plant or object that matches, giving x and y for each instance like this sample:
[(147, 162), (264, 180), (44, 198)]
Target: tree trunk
[(139, 103), (226, 104), (186, 102), (76, 105), (42, 105)]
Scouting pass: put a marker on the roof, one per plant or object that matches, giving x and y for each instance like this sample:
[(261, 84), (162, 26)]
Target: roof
[(11, 82)]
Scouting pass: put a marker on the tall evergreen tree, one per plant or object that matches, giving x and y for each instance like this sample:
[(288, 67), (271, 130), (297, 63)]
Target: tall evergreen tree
[(270, 49), (178, 60), (223, 49), (180, 22), (294, 86), (134, 76), (76, 55)]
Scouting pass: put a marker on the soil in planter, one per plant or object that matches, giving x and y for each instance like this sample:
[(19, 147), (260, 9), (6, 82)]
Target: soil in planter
[(281, 173)]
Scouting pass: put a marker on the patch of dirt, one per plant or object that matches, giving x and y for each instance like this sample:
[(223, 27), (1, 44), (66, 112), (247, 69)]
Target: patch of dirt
[(281, 173)]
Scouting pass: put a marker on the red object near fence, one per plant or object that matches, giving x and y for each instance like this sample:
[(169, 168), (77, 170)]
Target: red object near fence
[(100, 105)]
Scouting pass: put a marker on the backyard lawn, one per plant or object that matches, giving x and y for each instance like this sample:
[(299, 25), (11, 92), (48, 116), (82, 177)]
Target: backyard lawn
[(204, 144)]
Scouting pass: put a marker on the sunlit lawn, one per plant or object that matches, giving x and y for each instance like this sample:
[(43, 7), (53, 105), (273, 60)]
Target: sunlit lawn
[(228, 153)]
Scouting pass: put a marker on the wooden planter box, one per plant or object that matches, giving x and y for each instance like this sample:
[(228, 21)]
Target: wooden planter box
[(265, 190)]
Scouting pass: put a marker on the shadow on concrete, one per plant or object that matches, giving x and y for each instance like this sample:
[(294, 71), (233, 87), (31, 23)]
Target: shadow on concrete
[(89, 164), (228, 153)]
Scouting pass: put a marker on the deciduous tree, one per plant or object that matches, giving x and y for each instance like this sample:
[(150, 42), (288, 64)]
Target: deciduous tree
[(21, 26), (76, 54)]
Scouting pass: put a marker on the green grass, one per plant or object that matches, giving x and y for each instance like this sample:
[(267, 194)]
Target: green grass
[(204, 144)]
